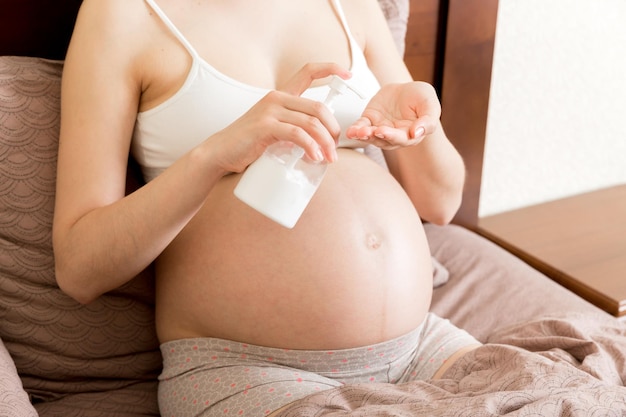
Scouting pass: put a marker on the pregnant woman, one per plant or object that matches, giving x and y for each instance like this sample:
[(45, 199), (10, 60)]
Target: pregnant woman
[(252, 315)]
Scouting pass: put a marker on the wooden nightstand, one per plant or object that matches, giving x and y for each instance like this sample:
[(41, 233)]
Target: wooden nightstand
[(578, 241)]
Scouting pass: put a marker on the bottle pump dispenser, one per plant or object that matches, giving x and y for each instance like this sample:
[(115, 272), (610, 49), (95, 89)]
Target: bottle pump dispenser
[(281, 182)]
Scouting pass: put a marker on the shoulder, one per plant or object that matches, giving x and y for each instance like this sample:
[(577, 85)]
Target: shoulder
[(370, 22), (364, 10), (112, 16), (365, 18), (113, 26), (113, 35)]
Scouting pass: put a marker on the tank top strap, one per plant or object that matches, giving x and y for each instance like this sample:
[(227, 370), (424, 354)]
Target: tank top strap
[(173, 28), (344, 22)]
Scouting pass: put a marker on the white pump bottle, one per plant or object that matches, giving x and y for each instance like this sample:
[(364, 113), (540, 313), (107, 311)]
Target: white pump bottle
[(281, 182)]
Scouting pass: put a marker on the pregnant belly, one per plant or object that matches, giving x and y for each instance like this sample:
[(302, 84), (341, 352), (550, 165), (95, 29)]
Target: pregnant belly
[(355, 270)]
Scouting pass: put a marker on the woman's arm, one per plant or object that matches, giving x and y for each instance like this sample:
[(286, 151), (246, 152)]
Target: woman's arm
[(426, 164), (101, 238)]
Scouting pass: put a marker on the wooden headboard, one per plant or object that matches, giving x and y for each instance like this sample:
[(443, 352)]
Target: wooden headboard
[(449, 44)]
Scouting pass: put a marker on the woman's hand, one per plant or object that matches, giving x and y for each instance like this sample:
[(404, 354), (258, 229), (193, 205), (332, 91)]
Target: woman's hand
[(282, 115), (398, 115)]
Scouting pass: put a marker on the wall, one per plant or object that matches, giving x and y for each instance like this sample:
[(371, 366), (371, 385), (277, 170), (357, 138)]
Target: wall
[(557, 110)]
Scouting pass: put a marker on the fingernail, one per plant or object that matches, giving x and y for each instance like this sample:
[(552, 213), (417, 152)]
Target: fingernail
[(319, 155), (379, 135), (419, 132)]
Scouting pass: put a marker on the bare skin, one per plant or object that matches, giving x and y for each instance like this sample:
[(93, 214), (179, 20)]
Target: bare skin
[(356, 269)]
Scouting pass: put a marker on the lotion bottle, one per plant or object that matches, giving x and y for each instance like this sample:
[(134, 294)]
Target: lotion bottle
[(281, 182)]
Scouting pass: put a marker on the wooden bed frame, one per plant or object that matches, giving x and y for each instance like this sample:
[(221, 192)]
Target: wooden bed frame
[(461, 35), (457, 33)]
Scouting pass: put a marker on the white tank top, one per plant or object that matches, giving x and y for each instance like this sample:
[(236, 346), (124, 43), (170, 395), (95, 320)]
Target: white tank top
[(209, 101)]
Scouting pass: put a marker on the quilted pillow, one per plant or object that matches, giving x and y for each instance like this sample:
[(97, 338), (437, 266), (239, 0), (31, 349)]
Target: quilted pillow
[(63, 351), (13, 399)]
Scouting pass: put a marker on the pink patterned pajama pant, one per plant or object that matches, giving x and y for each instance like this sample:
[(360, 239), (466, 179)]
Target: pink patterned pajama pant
[(215, 377)]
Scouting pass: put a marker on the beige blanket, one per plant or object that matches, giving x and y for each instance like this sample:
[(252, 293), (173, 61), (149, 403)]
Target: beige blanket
[(568, 366)]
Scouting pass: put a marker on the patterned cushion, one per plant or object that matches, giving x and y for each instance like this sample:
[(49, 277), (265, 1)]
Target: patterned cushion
[(59, 346), (13, 399)]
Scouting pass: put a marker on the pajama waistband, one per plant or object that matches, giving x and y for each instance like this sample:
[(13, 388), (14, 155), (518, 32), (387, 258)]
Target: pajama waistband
[(183, 355)]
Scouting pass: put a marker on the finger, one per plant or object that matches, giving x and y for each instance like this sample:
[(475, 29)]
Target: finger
[(423, 126), (398, 136), (361, 129), (316, 136), (311, 72), (314, 126), (388, 137), (380, 143), (316, 147)]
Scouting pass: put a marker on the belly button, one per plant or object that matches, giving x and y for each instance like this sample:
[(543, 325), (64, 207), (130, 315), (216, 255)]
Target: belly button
[(372, 241)]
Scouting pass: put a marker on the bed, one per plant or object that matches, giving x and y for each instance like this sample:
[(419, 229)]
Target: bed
[(548, 352)]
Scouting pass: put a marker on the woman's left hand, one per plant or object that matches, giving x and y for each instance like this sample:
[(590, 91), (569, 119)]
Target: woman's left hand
[(398, 115)]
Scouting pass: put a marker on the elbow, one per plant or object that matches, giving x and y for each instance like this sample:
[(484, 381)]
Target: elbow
[(71, 284), (447, 214), (438, 220), (444, 212), (74, 269), (74, 278), (441, 218), (449, 205)]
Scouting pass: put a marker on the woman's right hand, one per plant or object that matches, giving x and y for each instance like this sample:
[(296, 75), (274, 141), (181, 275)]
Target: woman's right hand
[(282, 115)]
